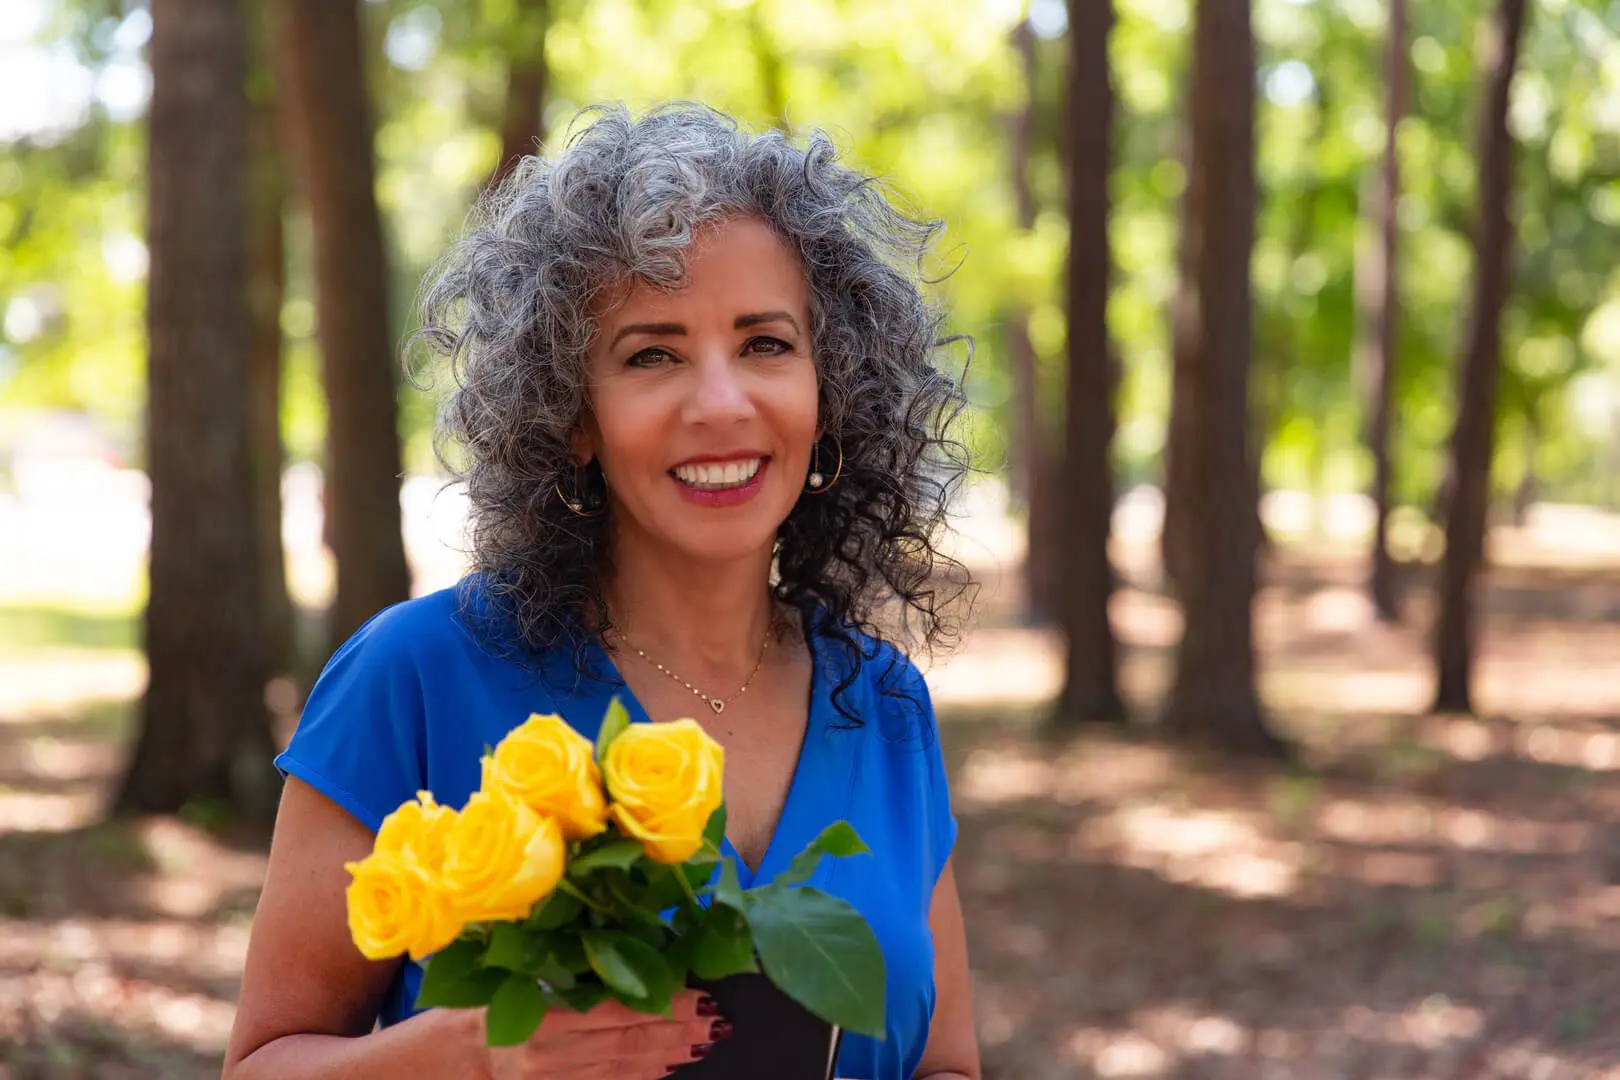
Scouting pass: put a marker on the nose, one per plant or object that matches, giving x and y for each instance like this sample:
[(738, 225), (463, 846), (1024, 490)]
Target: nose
[(719, 394)]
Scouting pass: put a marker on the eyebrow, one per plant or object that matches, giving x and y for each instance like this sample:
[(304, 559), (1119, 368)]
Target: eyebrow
[(671, 329)]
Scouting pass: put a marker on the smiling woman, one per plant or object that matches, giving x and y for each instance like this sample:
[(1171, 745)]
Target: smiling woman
[(706, 455)]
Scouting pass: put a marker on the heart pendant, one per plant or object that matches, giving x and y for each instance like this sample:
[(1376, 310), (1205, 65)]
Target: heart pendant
[(717, 705)]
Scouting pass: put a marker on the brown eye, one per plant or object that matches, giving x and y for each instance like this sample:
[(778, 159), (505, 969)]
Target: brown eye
[(649, 358), (767, 346)]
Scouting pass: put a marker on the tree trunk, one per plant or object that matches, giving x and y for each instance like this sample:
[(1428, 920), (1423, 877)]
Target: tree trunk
[(1213, 699), (324, 86), (1526, 492), (523, 125), (1472, 441), (1028, 448), (1090, 691), (266, 290), (1378, 300), (1185, 326), (204, 730)]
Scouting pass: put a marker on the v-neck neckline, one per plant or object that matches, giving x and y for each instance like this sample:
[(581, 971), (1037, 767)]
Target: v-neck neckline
[(788, 826)]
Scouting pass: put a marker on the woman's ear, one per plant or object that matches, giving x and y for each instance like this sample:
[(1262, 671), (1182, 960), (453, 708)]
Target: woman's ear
[(582, 447)]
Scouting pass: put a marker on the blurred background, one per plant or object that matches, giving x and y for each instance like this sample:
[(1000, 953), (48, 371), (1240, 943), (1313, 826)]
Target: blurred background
[(1285, 738)]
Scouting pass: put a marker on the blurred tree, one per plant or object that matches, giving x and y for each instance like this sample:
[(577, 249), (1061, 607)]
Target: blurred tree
[(1377, 301), (1086, 483), (204, 730), (1031, 458), (1472, 442), (323, 84), (523, 125), (1213, 698), (267, 200)]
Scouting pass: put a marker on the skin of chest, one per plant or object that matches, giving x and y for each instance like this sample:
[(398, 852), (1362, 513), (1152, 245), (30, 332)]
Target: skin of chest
[(762, 733)]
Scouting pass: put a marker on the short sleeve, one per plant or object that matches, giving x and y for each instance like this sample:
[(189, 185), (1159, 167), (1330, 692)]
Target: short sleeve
[(941, 818), (361, 740), (912, 723)]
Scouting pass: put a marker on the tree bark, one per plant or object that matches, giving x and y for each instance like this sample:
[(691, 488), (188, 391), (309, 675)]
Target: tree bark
[(1213, 699), (204, 730), (523, 125), (1378, 301), (1185, 327), (1090, 689), (267, 200), (319, 58), (1472, 441), (1031, 464)]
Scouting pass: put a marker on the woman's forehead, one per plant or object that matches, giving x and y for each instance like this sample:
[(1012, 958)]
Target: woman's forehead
[(739, 263)]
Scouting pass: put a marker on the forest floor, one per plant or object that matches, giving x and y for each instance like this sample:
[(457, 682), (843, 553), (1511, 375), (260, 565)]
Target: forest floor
[(1427, 898)]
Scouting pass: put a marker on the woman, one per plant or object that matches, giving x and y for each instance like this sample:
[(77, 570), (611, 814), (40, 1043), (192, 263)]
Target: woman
[(703, 437)]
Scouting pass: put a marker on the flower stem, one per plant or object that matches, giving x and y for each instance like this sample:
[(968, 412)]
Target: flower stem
[(686, 886), (568, 887)]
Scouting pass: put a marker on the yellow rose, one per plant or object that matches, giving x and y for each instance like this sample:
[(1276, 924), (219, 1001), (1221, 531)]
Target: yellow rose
[(501, 858), (417, 831), (551, 767), (665, 782), (396, 906)]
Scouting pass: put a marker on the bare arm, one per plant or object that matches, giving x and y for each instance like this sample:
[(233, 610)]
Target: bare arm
[(953, 1048), (309, 999)]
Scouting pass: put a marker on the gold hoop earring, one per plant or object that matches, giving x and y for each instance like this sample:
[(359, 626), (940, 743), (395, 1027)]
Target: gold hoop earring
[(816, 483), (576, 503)]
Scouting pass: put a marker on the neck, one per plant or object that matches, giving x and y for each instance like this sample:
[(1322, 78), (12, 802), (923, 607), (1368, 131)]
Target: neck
[(706, 621)]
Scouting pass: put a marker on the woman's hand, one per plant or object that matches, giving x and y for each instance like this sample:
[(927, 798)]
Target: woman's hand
[(612, 1041)]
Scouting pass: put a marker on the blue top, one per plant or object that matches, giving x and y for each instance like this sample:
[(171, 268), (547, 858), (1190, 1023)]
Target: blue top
[(414, 698)]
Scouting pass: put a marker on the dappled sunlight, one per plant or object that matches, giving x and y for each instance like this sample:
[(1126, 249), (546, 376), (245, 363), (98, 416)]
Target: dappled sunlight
[(38, 812), (62, 679), (1226, 852), (1093, 769)]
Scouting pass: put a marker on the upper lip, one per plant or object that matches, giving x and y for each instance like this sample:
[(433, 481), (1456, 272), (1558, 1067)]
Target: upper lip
[(721, 458)]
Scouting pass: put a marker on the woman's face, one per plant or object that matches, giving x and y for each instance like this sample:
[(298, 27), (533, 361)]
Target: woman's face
[(704, 399)]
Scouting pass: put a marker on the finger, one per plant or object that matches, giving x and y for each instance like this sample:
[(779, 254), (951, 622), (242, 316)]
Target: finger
[(693, 1005), (607, 1016), (667, 1041)]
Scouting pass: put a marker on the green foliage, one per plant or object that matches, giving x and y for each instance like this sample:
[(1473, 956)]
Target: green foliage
[(609, 932), (920, 92)]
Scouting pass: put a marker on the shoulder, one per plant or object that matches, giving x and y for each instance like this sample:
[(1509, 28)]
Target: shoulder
[(429, 632), (884, 687)]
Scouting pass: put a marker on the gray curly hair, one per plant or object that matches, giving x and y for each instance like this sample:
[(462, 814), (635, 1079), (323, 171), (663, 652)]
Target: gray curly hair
[(511, 307)]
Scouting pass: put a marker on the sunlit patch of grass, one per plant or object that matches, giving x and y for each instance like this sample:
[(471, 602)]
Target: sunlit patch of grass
[(25, 628)]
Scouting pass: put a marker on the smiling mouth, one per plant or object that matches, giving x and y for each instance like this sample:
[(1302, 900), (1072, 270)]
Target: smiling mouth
[(717, 475)]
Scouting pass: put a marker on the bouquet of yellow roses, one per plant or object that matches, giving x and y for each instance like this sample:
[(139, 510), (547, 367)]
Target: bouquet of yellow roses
[(574, 875)]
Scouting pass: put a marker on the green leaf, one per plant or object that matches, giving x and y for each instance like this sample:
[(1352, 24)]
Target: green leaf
[(508, 947), (634, 969), (728, 890), (614, 721), (602, 949), (515, 1011), (721, 945), (559, 910), (583, 997), (838, 839), (637, 909), (714, 833), (820, 952), (454, 977), (619, 854)]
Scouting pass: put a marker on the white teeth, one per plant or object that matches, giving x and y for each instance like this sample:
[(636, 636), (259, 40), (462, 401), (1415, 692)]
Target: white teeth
[(713, 475)]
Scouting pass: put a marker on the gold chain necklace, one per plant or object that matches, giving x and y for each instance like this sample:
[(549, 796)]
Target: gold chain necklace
[(717, 704)]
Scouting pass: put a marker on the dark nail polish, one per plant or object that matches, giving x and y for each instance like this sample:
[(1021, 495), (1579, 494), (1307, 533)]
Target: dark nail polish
[(707, 1006), (703, 1050), (721, 1029)]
